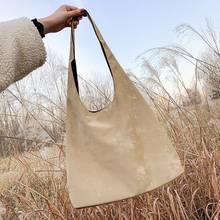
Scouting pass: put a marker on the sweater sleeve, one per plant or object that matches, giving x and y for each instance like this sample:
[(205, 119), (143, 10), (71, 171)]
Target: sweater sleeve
[(21, 50)]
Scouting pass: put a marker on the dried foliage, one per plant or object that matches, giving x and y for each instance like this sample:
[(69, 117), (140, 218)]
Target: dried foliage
[(32, 169)]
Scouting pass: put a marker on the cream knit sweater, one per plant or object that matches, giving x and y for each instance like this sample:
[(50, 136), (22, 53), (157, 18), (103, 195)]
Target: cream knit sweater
[(21, 50)]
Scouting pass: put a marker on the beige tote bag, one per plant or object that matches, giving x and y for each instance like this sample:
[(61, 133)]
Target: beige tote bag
[(118, 152)]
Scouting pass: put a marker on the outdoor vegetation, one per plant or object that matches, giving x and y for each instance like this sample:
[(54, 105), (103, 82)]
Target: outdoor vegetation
[(32, 133)]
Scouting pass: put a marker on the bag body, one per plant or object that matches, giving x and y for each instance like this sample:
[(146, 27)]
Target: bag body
[(120, 151)]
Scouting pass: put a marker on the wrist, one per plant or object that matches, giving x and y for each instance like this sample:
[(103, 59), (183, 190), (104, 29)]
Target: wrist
[(46, 23), (39, 27)]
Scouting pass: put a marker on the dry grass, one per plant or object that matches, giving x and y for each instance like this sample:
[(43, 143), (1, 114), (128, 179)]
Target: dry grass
[(32, 172)]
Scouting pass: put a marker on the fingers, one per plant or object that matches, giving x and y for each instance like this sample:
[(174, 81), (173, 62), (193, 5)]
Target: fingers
[(69, 23), (79, 18), (72, 12), (76, 13), (75, 24), (69, 7)]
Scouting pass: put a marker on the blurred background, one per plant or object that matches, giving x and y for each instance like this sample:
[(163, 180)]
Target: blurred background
[(170, 50), (129, 27)]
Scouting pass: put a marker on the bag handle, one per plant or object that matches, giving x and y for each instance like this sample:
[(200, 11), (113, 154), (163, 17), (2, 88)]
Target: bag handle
[(122, 84), (106, 51)]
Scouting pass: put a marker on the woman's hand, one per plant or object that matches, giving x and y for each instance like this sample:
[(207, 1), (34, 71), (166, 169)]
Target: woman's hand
[(62, 18)]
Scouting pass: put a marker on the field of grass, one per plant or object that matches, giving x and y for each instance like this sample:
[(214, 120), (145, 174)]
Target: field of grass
[(32, 168)]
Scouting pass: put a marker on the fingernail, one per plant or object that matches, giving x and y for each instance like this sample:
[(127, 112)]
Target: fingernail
[(84, 12)]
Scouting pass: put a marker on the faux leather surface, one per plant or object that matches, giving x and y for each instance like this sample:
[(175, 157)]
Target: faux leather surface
[(119, 152)]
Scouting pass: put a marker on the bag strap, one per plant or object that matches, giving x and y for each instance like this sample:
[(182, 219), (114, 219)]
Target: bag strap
[(101, 41)]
